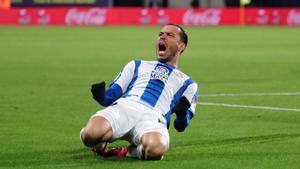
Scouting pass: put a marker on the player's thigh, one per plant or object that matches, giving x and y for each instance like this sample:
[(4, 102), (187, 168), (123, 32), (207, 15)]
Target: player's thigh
[(120, 118), (152, 127)]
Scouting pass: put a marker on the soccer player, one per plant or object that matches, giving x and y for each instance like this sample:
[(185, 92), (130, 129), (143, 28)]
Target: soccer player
[(140, 101)]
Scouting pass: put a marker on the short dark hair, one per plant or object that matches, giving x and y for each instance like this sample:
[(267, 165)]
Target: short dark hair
[(183, 35)]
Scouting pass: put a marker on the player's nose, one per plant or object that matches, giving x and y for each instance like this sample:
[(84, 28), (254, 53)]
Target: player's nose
[(163, 36)]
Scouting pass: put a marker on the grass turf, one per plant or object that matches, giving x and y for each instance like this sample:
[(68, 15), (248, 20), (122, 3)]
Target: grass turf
[(46, 73)]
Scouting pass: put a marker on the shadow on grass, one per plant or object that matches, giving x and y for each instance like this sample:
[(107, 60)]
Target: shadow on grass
[(246, 140), (82, 157), (73, 157)]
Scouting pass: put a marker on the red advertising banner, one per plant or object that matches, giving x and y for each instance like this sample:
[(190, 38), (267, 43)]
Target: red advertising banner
[(151, 16)]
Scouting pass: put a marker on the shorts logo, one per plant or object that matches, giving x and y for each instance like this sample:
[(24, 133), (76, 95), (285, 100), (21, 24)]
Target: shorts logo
[(160, 73)]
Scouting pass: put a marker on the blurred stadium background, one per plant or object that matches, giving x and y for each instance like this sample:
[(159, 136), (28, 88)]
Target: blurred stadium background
[(149, 12), (244, 55), (158, 3)]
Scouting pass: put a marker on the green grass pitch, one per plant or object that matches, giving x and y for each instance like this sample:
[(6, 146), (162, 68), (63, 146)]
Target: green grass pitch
[(45, 99)]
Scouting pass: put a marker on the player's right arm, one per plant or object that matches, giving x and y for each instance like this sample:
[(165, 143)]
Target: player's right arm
[(185, 108), (106, 97)]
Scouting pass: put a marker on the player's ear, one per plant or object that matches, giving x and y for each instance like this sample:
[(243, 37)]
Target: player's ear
[(181, 47)]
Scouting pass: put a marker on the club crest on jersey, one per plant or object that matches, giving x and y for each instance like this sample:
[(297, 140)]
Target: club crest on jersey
[(160, 73)]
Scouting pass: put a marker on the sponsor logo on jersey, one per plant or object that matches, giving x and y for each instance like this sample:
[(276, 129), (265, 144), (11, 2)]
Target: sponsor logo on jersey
[(160, 73)]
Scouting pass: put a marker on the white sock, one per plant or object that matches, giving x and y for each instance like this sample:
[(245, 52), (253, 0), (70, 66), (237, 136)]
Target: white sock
[(81, 131), (136, 152), (99, 146)]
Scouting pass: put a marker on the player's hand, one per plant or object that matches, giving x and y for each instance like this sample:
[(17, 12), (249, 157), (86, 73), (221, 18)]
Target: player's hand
[(98, 91), (181, 107)]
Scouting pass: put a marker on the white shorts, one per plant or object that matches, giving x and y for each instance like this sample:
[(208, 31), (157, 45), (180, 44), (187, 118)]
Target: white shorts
[(130, 120)]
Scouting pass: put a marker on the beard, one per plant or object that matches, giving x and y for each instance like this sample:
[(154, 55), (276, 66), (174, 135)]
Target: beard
[(163, 60), (170, 56)]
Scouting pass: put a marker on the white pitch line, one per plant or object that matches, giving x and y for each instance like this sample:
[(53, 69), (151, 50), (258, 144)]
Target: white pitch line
[(249, 106), (250, 94)]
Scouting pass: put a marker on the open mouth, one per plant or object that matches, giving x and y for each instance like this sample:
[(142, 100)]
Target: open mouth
[(162, 47)]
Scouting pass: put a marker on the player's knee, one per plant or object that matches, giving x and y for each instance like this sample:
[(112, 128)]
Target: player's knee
[(154, 151), (89, 138), (154, 148), (96, 131)]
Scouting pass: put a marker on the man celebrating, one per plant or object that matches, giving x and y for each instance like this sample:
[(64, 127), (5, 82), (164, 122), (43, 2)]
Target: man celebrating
[(140, 101)]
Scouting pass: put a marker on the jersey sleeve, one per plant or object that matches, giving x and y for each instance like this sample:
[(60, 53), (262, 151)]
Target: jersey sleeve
[(119, 85), (191, 93), (125, 76)]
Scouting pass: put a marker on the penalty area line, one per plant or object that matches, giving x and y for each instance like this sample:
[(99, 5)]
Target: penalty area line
[(251, 94), (248, 106)]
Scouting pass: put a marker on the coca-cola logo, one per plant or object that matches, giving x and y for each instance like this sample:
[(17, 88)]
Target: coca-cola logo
[(293, 17), (207, 17), (93, 16)]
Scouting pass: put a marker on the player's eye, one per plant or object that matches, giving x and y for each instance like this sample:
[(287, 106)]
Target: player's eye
[(160, 33), (170, 34)]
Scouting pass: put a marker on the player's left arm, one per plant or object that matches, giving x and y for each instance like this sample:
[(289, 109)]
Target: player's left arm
[(106, 97), (185, 108), (103, 96)]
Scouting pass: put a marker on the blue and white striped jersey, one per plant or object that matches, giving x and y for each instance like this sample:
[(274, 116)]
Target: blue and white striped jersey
[(157, 85)]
